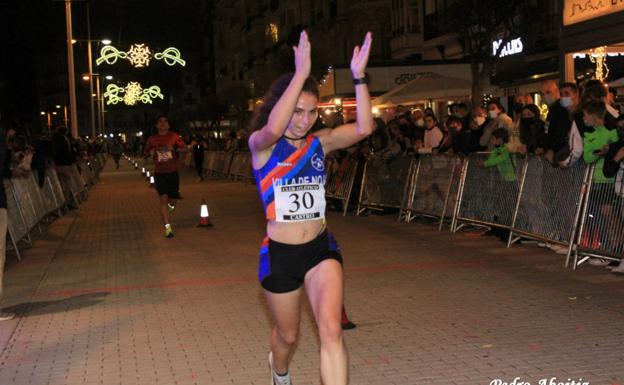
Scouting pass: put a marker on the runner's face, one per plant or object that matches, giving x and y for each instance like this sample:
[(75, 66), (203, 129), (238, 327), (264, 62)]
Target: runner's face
[(304, 116), (162, 124)]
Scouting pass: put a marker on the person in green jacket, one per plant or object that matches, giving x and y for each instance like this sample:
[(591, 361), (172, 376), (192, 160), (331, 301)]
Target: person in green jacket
[(596, 143), (601, 223), (500, 156)]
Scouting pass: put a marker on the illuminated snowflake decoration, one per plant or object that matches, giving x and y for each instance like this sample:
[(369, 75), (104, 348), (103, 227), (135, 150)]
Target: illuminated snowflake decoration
[(139, 55), (131, 94)]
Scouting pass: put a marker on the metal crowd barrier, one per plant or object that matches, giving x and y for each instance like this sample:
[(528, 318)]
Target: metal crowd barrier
[(384, 183), (72, 183), (549, 202), (601, 228), (486, 195), (28, 204), (240, 168), (433, 184), (340, 180)]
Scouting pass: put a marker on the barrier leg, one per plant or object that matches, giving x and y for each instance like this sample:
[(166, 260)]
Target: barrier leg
[(460, 195), (17, 252), (580, 210), (511, 238), (449, 191)]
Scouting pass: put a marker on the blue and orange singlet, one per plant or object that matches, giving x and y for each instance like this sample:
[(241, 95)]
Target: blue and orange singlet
[(292, 182)]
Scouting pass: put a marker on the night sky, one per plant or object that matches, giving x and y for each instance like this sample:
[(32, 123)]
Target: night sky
[(33, 34)]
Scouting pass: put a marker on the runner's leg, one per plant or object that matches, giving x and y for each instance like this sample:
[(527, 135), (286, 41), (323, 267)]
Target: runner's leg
[(324, 286), (164, 210), (285, 309)]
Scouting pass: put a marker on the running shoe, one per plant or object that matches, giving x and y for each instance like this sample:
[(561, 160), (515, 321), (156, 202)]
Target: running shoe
[(275, 379), (6, 316), (168, 231)]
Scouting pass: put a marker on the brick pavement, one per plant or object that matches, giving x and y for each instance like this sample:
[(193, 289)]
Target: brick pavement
[(105, 299)]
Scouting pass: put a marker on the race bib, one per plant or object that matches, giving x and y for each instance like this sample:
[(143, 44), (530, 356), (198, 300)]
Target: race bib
[(299, 202), (163, 156)]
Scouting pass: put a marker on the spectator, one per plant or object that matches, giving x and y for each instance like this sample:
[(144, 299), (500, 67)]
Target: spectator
[(498, 119), (21, 158), (558, 122), (461, 137), (500, 157), (419, 124), (463, 113), (568, 155), (61, 149), (614, 168), (398, 134), (480, 120), (532, 130), (596, 144), (3, 224), (116, 150), (379, 139), (433, 136), (199, 146)]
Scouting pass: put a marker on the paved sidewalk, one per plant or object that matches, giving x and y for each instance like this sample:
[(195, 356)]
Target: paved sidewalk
[(104, 298)]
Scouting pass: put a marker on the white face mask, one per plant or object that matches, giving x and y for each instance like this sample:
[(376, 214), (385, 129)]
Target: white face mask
[(480, 120), (420, 122), (493, 114), (566, 101)]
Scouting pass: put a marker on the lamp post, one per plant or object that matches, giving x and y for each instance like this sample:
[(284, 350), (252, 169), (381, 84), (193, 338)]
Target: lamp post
[(70, 70), (98, 98)]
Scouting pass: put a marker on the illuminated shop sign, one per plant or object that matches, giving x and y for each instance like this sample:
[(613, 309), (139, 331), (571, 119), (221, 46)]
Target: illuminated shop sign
[(512, 47), (575, 11)]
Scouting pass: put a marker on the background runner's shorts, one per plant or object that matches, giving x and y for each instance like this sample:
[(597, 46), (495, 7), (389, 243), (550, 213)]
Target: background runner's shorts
[(167, 183), (283, 267)]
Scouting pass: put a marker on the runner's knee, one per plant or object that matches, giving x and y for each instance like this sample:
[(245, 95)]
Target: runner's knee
[(330, 332), (288, 336)]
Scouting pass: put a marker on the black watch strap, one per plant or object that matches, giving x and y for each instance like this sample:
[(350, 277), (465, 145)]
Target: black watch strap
[(364, 80)]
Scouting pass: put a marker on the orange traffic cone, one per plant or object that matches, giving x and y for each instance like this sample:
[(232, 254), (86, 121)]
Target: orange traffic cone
[(346, 324), (204, 216)]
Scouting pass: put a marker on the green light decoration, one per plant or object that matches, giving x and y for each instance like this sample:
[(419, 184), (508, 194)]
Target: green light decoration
[(171, 56), (139, 55), (131, 94)]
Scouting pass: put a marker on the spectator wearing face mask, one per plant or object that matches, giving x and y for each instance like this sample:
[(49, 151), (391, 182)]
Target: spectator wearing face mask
[(461, 138), (498, 119), (558, 121), (531, 129), (419, 124), (433, 136), (479, 121), (569, 154)]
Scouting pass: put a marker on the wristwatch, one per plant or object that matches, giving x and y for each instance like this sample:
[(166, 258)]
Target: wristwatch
[(364, 80)]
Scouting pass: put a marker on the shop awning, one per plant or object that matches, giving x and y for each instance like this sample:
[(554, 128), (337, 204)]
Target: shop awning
[(427, 86), (617, 83)]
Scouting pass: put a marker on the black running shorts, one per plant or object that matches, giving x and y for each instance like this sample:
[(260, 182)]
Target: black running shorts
[(168, 183), (283, 267)]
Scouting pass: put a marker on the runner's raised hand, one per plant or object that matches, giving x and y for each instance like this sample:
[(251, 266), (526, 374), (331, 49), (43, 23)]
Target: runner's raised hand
[(303, 63), (360, 57)]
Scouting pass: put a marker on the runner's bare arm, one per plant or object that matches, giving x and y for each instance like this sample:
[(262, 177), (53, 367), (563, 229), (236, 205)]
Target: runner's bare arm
[(180, 145), (283, 109), (347, 135)]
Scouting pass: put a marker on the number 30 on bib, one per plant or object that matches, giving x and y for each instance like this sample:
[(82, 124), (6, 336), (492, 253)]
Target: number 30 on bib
[(301, 202)]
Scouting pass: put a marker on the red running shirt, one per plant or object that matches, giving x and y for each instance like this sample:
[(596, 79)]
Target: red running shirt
[(166, 157)]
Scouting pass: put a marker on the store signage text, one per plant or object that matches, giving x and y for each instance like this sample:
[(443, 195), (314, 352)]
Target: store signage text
[(405, 78), (575, 11), (511, 48)]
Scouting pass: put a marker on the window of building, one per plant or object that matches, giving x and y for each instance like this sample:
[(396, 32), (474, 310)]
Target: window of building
[(272, 32)]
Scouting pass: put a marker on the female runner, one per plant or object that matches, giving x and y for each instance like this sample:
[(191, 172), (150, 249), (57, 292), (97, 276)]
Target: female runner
[(298, 251)]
